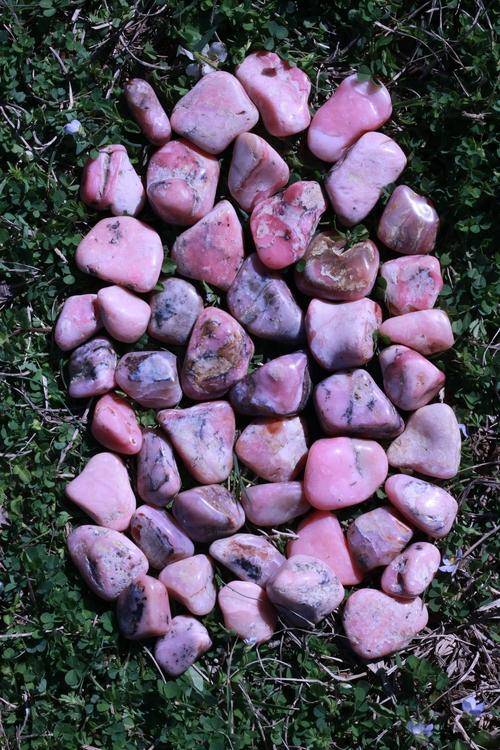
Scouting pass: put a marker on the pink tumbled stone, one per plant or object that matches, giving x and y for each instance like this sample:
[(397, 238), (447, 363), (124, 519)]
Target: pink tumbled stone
[(247, 611), (249, 557), (158, 477), (212, 250), (274, 504), (409, 574), (356, 182), (143, 609), (159, 537), (409, 223), (191, 582), (125, 316), (150, 378), (274, 449), (377, 625), (183, 644), (410, 380), (282, 226), (174, 311), (412, 283), (214, 112), (115, 425), (340, 336), (110, 183), (78, 320), (427, 331), (92, 369), (203, 436), (147, 111), (430, 443), (279, 90), (426, 506), (257, 171), (207, 513), (376, 537)]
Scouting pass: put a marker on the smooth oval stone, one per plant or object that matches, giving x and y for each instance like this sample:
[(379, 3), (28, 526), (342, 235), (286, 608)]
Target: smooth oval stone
[(261, 300), (340, 336), (412, 283), (320, 535), (158, 477), (409, 574), (249, 557), (256, 172), (191, 582), (332, 272), (147, 111), (377, 625), (143, 609), (343, 471), (92, 369), (159, 537), (279, 90), (427, 331), (274, 449), (203, 436), (282, 226), (409, 223), (354, 108), (174, 311), (125, 316), (124, 251), (183, 644), (212, 250), (106, 559), (214, 112), (247, 611), (273, 504), (351, 403), (150, 378), (281, 387), (208, 513), (426, 506), (410, 380), (355, 183), (110, 183), (218, 355), (115, 425), (78, 320), (181, 183), (376, 537)]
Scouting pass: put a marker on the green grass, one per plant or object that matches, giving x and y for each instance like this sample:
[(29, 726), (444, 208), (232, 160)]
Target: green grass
[(67, 680)]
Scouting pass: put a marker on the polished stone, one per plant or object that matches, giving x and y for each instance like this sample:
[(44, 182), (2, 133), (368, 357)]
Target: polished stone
[(158, 479), (78, 320), (183, 644), (208, 513), (248, 556), (377, 537), (428, 507), (143, 609), (246, 610), (147, 111), (410, 380), (273, 504), (110, 183), (409, 574), (159, 537), (115, 425), (409, 223), (426, 331), (150, 378), (92, 369), (174, 311), (256, 172), (274, 449), (411, 283), (124, 315), (191, 582)]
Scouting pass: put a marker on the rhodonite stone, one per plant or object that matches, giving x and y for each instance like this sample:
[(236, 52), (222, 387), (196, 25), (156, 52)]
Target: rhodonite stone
[(354, 108), (159, 537), (125, 316), (92, 369), (174, 311), (191, 582), (181, 183), (212, 250), (340, 336), (186, 640), (332, 272), (409, 223), (106, 559), (78, 320), (351, 403), (123, 251), (376, 537), (274, 504), (110, 183), (282, 226), (218, 355), (115, 425), (430, 443), (158, 477), (427, 331), (377, 625), (412, 283), (261, 300), (279, 90), (247, 611), (410, 380), (256, 172), (203, 436), (214, 112), (274, 449), (281, 387), (409, 574), (150, 378), (355, 183), (207, 513), (147, 111), (428, 507), (249, 557), (143, 609)]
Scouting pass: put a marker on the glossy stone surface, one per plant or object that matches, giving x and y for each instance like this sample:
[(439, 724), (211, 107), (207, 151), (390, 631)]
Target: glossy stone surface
[(274, 504), (143, 609), (183, 644), (410, 380), (147, 111), (247, 611), (115, 425), (428, 507), (426, 331), (174, 311), (409, 574), (124, 315), (92, 369), (158, 477), (208, 513), (256, 172), (159, 537), (376, 537), (110, 183), (274, 449), (409, 223), (412, 283), (78, 320), (248, 556), (150, 378), (191, 582)]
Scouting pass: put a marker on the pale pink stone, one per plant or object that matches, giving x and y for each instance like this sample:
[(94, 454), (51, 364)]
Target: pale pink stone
[(150, 378), (181, 182), (247, 611), (159, 537), (184, 643), (409, 574), (256, 172), (207, 513), (124, 315), (427, 331), (430, 444), (147, 111), (426, 506), (214, 112), (320, 535), (106, 559), (409, 223), (377, 625), (143, 609), (78, 320), (351, 403), (203, 436), (115, 425), (376, 537), (411, 283), (110, 183), (174, 311), (340, 336), (279, 90), (191, 582), (355, 183), (92, 369), (410, 380), (282, 226), (274, 449), (249, 557), (158, 477), (343, 471), (124, 251), (273, 504)]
